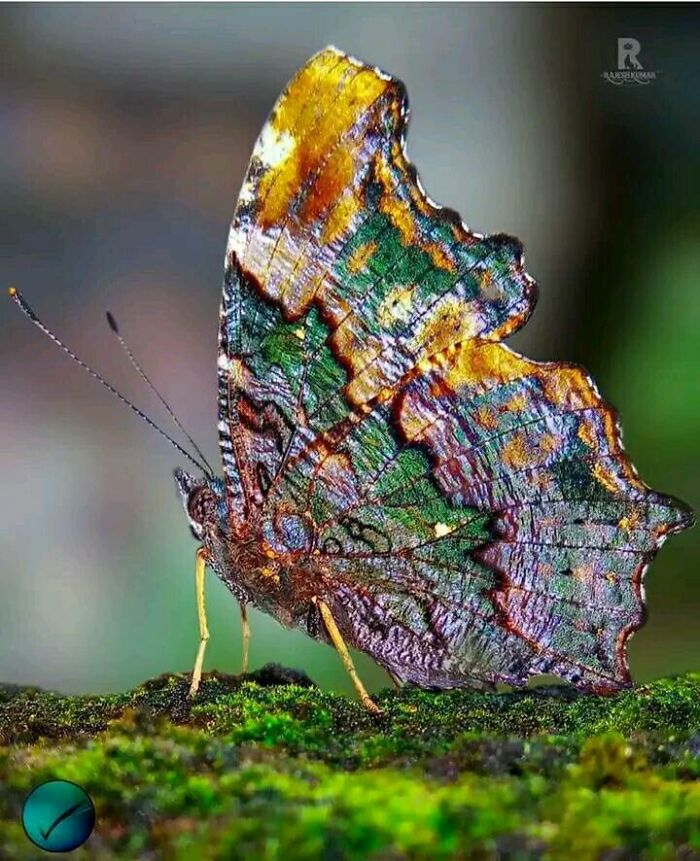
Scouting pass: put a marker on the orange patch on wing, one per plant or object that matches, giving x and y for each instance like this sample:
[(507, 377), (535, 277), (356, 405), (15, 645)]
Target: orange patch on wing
[(311, 86), (318, 109), (483, 363), (360, 256), (439, 256), (336, 469), (450, 324), (518, 452), (339, 220), (606, 477), (413, 424), (487, 418), (629, 521), (584, 573), (440, 389), (570, 387), (396, 209), (354, 344), (516, 404), (515, 454), (480, 364), (586, 433), (548, 443), (333, 178), (400, 213)]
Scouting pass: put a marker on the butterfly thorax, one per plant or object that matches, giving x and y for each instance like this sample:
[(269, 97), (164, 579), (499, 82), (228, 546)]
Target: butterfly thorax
[(244, 556)]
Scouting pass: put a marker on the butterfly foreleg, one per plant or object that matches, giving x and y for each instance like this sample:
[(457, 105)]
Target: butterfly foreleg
[(342, 649), (199, 573)]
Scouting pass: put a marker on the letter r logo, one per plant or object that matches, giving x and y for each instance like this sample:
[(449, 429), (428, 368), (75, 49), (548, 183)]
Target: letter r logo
[(627, 53)]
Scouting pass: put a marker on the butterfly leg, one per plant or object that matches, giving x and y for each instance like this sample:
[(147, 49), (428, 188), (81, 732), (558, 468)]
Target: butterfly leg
[(342, 649), (245, 628), (395, 679), (199, 572)]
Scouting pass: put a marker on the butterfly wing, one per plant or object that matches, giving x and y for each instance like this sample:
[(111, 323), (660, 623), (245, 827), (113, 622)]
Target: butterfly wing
[(573, 528), (468, 513), (331, 219)]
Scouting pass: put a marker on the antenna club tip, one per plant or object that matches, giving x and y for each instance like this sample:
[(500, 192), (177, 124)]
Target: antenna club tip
[(112, 323), (12, 292)]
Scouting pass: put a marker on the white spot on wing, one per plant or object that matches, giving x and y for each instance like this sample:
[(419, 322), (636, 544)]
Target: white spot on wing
[(442, 529), (274, 147)]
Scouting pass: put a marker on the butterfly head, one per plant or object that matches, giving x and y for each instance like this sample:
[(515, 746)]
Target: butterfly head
[(202, 499)]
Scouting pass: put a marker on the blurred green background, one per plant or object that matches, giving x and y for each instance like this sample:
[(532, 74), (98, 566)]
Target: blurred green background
[(126, 131)]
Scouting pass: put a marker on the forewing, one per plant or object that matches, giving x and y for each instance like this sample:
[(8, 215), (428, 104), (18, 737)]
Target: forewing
[(331, 216), (470, 514)]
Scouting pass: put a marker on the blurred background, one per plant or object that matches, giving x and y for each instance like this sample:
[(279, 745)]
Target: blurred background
[(126, 131)]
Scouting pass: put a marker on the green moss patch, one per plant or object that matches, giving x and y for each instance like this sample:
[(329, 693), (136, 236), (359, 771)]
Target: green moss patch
[(269, 767)]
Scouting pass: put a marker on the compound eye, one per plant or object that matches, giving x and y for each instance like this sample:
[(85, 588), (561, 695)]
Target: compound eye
[(201, 504)]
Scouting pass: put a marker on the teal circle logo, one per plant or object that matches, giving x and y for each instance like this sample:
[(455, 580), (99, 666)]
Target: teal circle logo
[(58, 816)]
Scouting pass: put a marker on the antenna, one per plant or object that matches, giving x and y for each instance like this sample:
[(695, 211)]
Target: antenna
[(113, 326), (17, 297)]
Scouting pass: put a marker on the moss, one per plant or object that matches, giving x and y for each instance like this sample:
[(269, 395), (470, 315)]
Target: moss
[(269, 767)]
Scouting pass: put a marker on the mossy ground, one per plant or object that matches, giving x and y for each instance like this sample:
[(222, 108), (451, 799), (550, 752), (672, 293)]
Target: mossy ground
[(258, 769)]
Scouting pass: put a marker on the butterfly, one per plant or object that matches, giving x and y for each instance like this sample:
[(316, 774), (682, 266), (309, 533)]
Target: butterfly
[(395, 478)]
